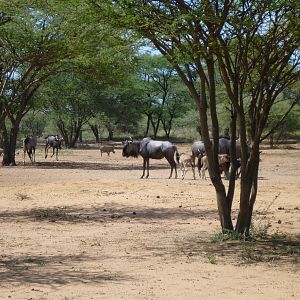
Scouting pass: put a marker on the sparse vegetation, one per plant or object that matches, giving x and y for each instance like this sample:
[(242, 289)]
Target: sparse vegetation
[(225, 236), (22, 196), (212, 259), (53, 214), (260, 231)]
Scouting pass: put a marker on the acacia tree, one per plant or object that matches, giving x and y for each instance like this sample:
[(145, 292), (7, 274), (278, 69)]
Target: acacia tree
[(30, 50), (42, 39), (164, 98), (119, 107), (254, 44), (176, 106), (69, 100)]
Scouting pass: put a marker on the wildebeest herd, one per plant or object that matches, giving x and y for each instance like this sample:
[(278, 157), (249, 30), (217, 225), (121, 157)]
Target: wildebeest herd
[(148, 148)]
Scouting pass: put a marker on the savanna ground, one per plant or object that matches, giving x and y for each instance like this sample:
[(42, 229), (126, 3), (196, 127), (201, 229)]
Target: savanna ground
[(86, 227)]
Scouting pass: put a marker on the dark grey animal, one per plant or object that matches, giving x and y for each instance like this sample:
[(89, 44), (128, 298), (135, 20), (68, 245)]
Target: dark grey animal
[(198, 150), (238, 168), (149, 148), (55, 142), (29, 145)]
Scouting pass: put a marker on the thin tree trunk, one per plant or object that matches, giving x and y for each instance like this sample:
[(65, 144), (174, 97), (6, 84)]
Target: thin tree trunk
[(248, 195), (271, 141), (95, 131), (9, 143), (76, 135), (80, 136), (223, 209), (232, 176), (147, 126), (63, 132)]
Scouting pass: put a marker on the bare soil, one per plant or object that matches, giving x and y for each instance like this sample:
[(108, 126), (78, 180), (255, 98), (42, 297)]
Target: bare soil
[(87, 227)]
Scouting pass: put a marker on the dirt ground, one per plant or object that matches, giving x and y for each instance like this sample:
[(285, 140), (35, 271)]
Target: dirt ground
[(86, 227)]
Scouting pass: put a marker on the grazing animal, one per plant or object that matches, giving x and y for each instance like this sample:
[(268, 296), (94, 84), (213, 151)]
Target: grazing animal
[(107, 149), (238, 168), (223, 159), (185, 160), (29, 145), (198, 150), (55, 142), (149, 148)]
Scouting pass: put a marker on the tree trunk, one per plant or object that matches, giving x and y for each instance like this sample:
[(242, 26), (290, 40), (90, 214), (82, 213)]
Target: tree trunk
[(156, 129), (271, 141), (64, 133), (232, 176), (80, 136), (147, 126), (248, 195), (153, 126), (75, 136), (9, 144), (95, 131), (223, 209)]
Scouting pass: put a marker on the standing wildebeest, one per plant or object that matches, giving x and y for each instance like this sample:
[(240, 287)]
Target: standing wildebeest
[(29, 145), (198, 150), (55, 142), (148, 148)]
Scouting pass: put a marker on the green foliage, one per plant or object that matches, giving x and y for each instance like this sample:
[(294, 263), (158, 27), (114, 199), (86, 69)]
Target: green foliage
[(212, 259), (289, 125), (164, 97), (260, 231), (34, 123), (225, 236)]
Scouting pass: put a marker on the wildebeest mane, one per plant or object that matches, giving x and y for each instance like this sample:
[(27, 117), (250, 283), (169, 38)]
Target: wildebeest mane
[(131, 148)]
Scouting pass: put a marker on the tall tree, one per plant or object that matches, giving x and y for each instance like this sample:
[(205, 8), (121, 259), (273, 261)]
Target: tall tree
[(31, 45), (256, 47), (71, 103), (164, 96), (42, 39)]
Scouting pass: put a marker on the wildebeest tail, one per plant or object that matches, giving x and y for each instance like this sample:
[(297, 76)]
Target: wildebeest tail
[(177, 154), (25, 141)]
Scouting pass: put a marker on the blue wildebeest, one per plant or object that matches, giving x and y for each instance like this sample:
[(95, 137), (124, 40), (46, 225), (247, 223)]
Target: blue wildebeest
[(198, 150), (29, 145), (149, 148), (55, 142)]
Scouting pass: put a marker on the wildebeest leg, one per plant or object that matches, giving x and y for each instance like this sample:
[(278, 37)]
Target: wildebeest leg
[(29, 152), (173, 166), (147, 162), (33, 154), (101, 152), (193, 169), (56, 153), (144, 167), (46, 150), (199, 166), (53, 148), (24, 156)]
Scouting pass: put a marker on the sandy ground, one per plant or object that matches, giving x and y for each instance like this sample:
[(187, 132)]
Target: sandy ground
[(86, 227)]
